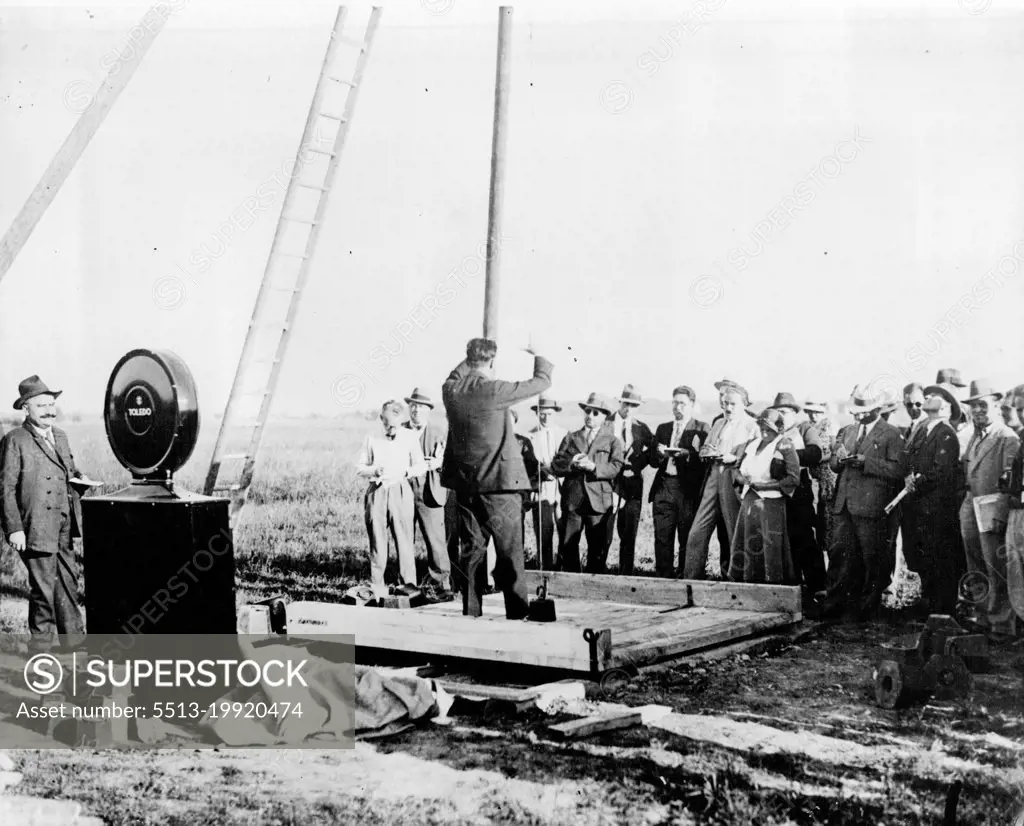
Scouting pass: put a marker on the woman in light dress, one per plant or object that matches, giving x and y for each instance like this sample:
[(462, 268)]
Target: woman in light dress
[(769, 470)]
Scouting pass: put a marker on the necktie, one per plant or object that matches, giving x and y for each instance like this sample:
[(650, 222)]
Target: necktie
[(979, 437), (591, 435), (677, 434), (860, 439)]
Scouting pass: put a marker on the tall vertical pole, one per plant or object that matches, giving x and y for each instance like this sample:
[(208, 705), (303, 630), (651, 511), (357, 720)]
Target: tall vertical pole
[(498, 141)]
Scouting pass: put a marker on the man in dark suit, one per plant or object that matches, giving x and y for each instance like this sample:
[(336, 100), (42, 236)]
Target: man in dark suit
[(430, 497), (483, 464), (868, 458), (636, 438), (588, 461), (931, 522), (675, 492), (41, 512)]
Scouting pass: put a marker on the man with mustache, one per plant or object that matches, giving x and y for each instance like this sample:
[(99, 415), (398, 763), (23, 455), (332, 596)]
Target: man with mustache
[(41, 512)]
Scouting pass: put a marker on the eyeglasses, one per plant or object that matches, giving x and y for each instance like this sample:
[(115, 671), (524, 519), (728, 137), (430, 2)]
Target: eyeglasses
[(913, 404), (590, 411)]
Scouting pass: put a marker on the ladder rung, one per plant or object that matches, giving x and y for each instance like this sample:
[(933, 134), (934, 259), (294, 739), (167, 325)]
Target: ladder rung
[(234, 456), (319, 151), (298, 220), (313, 186), (342, 80), (351, 41), (332, 116), (283, 290), (293, 255), (229, 488)]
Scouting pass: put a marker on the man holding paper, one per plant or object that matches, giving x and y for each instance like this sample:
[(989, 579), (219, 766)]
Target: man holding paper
[(430, 496), (41, 511), (988, 456)]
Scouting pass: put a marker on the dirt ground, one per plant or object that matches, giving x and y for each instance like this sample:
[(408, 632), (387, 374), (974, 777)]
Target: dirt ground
[(494, 766)]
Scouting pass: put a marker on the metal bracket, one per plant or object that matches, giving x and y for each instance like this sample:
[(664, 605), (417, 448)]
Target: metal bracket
[(590, 636)]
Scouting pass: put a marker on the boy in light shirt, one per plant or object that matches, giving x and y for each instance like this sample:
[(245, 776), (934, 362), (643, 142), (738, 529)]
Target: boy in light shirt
[(388, 460)]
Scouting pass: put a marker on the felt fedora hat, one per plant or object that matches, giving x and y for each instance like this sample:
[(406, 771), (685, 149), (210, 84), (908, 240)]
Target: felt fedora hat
[(862, 402), (598, 402), (949, 375), (980, 388), (786, 400), (30, 388), (729, 384), (546, 403), (816, 407), (419, 397), (630, 395), (948, 392)]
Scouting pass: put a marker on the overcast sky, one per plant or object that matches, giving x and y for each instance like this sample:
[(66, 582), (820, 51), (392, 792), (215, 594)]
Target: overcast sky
[(793, 196)]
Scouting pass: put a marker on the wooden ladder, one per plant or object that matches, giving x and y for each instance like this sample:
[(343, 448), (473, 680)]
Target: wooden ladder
[(287, 270)]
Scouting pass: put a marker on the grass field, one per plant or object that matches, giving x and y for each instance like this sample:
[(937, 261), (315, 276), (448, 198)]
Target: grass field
[(303, 535)]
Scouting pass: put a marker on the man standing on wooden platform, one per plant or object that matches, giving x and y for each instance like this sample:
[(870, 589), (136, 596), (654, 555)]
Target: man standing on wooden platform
[(430, 496), (546, 437), (483, 464)]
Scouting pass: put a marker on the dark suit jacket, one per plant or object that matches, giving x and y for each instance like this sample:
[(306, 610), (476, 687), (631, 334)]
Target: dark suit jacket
[(429, 485), (591, 486), (936, 458), (483, 454), (689, 468), (35, 489), (866, 491), (632, 487)]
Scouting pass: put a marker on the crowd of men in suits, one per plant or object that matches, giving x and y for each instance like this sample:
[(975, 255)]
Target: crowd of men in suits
[(783, 492)]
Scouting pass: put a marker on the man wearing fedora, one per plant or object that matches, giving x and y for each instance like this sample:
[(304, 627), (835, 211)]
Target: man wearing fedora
[(720, 499), (41, 512), (483, 464), (588, 461), (868, 458), (675, 491), (546, 438), (636, 438), (430, 496), (988, 456), (930, 520), (808, 558)]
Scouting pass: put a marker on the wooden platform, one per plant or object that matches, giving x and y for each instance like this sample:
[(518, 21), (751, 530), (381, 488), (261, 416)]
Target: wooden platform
[(604, 622)]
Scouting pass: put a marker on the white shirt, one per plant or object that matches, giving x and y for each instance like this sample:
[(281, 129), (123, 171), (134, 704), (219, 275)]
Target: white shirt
[(401, 457), (46, 433), (624, 430), (546, 441), (930, 426)]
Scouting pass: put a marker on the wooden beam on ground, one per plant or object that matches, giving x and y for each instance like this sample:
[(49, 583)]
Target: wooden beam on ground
[(595, 725), (550, 645), (94, 110), (677, 592)]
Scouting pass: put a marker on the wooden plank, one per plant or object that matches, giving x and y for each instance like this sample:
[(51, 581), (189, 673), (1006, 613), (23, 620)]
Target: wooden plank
[(602, 588), (702, 637), (677, 592), (93, 110), (594, 725), (554, 645), (673, 625)]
